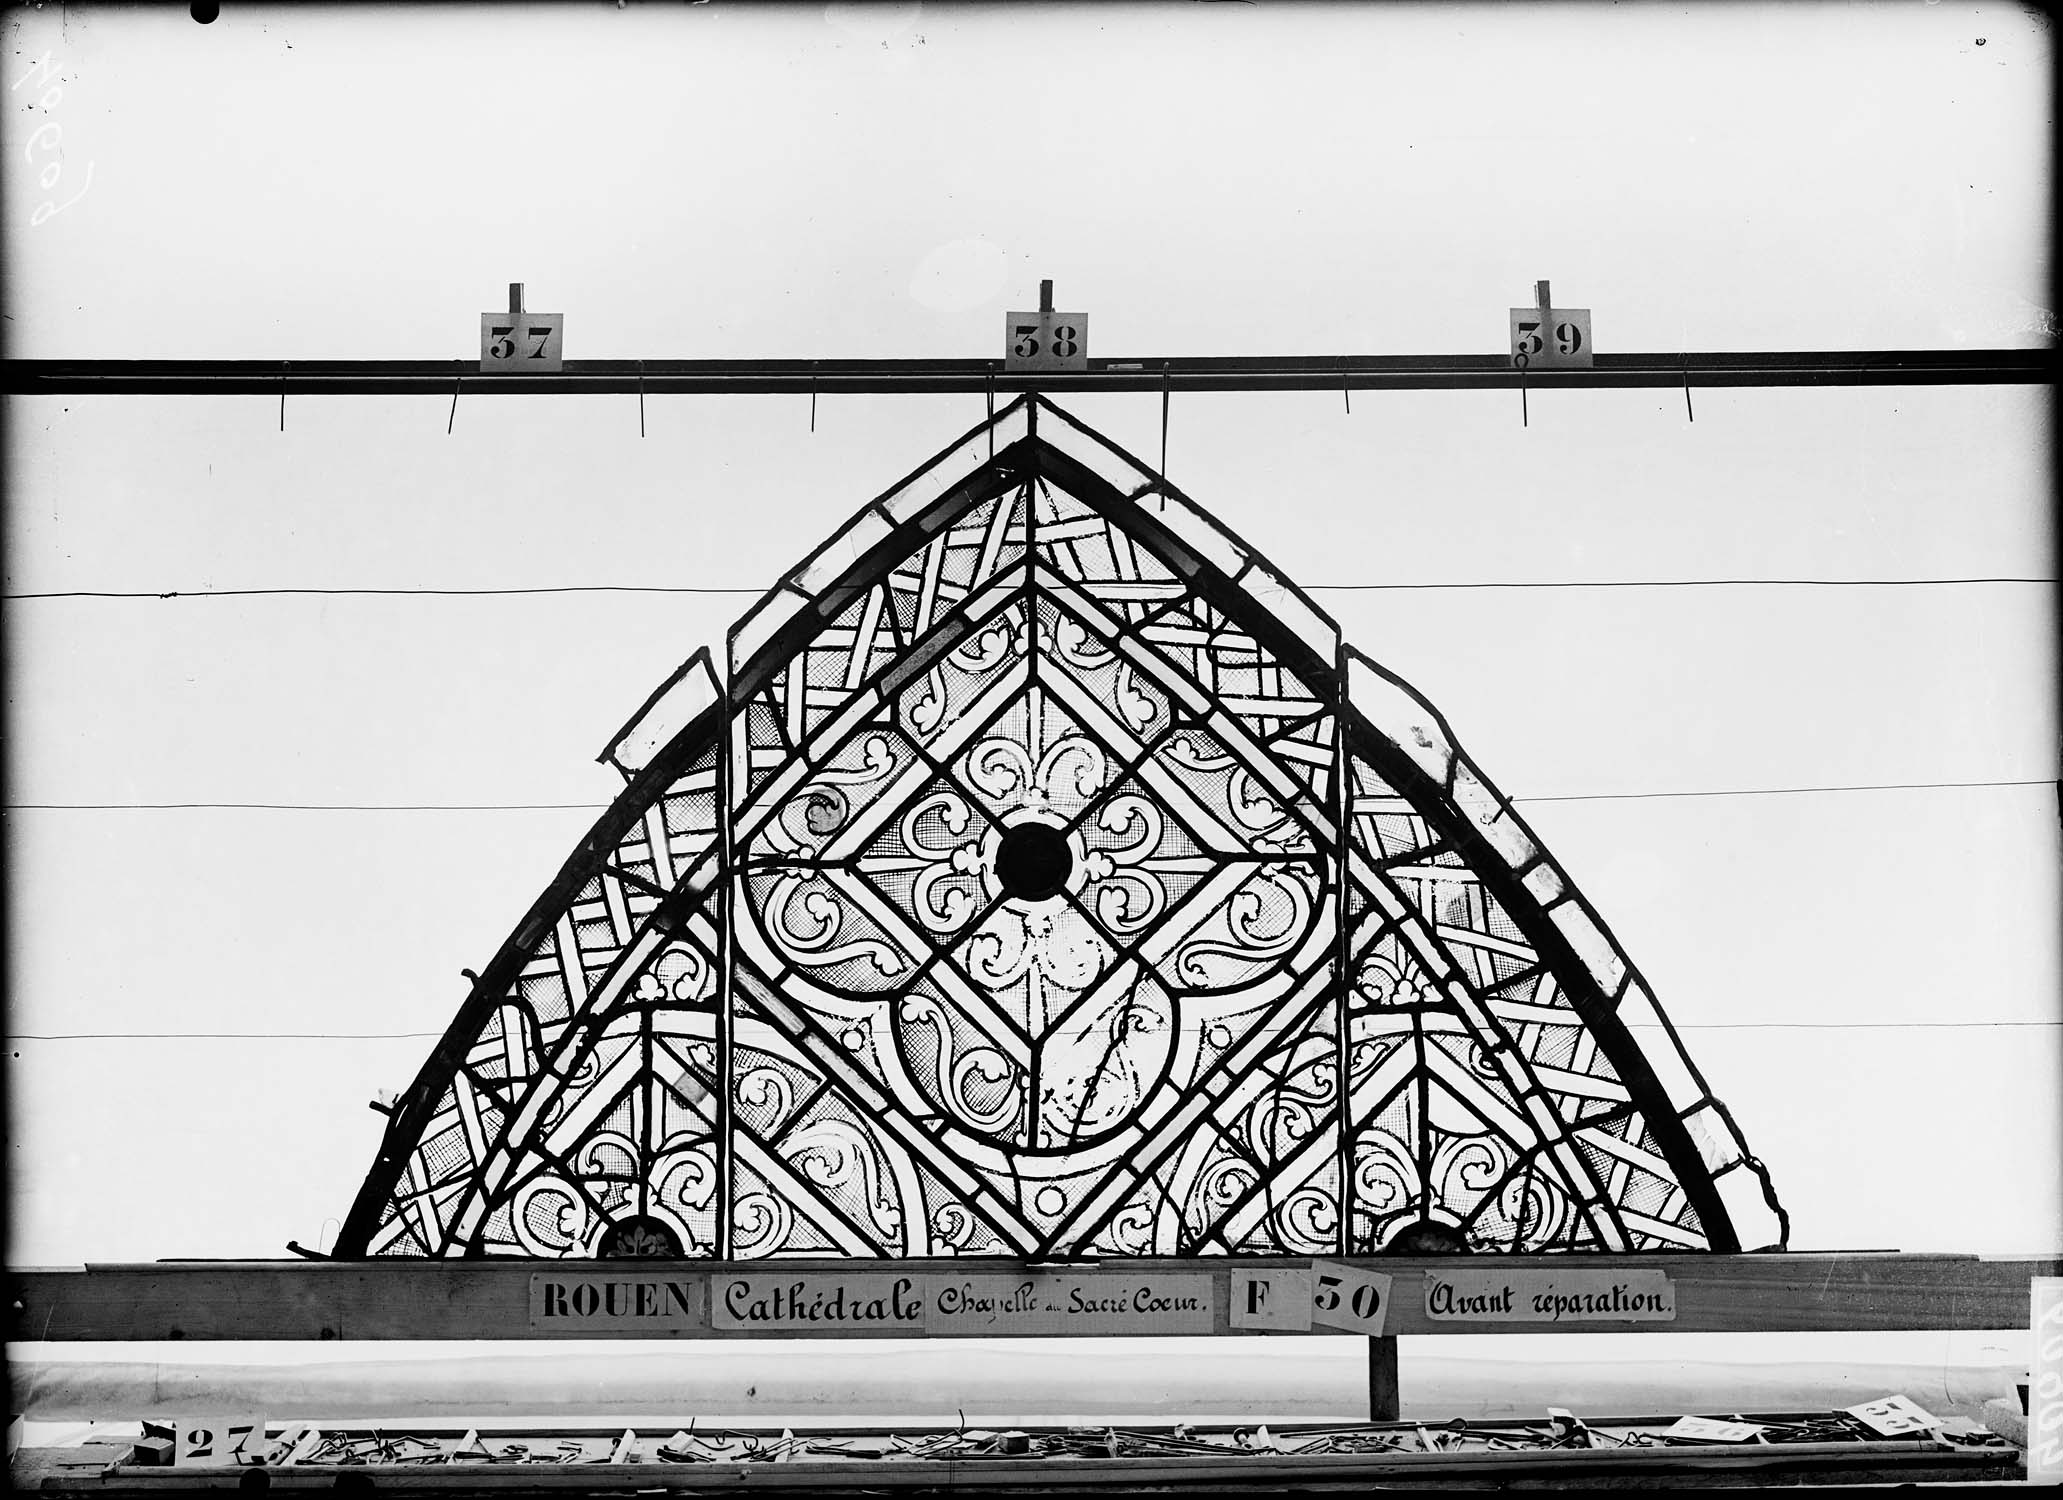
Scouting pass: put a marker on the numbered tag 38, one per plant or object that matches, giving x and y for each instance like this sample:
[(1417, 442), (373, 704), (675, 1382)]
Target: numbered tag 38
[(1040, 341)]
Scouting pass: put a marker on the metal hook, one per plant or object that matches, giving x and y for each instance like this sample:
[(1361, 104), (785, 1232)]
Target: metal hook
[(990, 394), (1166, 392), (641, 398), (1346, 390), (1521, 359), (284, 365), (1687, 412), (812, 399), (456, 381)]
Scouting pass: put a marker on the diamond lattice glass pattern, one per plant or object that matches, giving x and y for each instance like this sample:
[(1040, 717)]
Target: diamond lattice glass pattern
[(1040, 891)]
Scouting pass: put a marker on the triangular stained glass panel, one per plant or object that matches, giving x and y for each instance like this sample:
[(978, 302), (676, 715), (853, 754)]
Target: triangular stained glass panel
[(1043, 875)]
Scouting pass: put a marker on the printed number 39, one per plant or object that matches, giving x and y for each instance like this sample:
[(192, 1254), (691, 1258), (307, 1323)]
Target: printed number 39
[(1568, 338)]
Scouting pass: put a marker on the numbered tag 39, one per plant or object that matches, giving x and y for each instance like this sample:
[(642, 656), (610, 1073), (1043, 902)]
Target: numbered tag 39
[(1042, 341), (1553, 338)]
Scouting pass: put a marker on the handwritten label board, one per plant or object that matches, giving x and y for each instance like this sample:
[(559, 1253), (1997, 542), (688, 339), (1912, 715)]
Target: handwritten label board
[(1031, 1303), (1321, 1296), (1571, 1296)]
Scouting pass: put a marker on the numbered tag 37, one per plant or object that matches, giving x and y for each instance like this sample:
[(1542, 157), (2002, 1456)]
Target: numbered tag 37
[(522, 343)]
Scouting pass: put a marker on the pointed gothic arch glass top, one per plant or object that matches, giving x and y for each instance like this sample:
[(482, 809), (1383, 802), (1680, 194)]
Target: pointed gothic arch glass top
[(1043, 876)]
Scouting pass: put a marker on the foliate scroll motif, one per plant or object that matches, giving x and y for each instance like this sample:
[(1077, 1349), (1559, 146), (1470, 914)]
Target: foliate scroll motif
[(1035, 903), (1039, 888)]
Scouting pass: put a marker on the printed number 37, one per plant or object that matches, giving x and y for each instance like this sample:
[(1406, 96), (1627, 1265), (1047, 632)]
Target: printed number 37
[(504, 347)]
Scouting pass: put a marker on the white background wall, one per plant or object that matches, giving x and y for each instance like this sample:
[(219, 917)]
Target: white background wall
[(202, 999)]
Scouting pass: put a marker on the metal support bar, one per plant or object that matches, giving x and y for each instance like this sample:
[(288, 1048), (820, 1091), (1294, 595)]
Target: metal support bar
[(492, 1299), (1394, 372)]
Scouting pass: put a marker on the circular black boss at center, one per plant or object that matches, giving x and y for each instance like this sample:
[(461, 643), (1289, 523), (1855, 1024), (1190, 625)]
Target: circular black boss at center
[(1033, 861)]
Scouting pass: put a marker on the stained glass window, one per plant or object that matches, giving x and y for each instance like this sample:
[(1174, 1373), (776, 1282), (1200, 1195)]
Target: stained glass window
[(1043, 876)]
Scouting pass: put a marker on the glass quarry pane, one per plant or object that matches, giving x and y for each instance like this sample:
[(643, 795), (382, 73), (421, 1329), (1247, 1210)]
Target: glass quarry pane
[(1637, 1011), (923, 488), (1202, 535), (1401, 716), (863, 532), (1492, 817), (752, 633), (1282, 601), (1591, 945), (691, 694)]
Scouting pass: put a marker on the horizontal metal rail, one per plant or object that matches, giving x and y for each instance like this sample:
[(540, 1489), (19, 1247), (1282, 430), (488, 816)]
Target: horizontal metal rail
[(1344, 372), (487, 1299)]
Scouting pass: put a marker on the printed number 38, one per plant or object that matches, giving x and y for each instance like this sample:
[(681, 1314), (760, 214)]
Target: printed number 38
[(1065, 341), (504, 347)]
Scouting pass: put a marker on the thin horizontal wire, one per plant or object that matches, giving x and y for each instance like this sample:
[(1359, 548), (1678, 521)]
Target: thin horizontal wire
[(400, 1036), (221, 1036), (661, 588), (1785, 791), (368, 807), (1746, 791)]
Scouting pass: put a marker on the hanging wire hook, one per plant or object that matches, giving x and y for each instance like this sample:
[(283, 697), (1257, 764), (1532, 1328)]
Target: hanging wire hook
[(1346, 391), (1167, 385), (990, 382), (812, 396), (1688, 413), (1521, 359), (641, 398), (456, 381), (284, 365)]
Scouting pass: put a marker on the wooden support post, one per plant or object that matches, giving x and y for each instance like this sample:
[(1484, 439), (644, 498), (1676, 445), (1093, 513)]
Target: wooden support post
[(1382, 1379), (516, 299), (1045, 296)]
